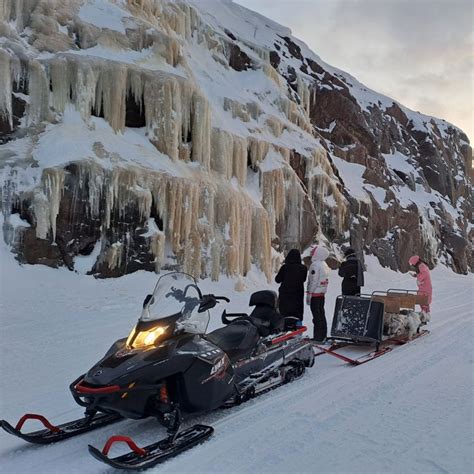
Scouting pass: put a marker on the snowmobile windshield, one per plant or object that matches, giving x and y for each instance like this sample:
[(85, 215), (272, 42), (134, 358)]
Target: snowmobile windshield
[(177, 294)]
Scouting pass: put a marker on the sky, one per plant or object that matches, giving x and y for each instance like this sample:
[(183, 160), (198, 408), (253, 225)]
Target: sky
[(419, 52)]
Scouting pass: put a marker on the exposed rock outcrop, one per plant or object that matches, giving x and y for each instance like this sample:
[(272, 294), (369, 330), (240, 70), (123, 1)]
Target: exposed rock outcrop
[(190, 134)]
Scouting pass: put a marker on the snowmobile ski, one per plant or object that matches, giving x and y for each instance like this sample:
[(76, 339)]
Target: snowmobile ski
[(53, 433), (153, 454)]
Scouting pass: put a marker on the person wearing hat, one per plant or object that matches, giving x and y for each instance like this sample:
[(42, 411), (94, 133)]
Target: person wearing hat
[(352, 273), (292, 276), (423, 279)]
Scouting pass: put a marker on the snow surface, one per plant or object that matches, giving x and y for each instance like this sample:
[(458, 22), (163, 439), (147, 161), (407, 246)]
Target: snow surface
[(58, 146), (104, 14), (351, 174), (408, 411)]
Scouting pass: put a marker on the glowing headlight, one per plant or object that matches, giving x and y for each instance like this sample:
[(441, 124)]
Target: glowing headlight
[(142, 339)]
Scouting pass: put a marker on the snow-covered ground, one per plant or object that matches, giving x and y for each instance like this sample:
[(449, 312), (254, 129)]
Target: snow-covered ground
[(408, 411)]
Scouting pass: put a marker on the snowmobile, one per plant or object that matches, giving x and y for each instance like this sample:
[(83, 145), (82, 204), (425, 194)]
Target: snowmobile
[(168, 367)]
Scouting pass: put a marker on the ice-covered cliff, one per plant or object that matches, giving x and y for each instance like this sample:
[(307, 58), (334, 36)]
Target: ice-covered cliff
[(198, 134)]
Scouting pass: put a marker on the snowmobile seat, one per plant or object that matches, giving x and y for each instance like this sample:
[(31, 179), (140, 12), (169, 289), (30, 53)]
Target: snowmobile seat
[(265, 314), (237, 339)]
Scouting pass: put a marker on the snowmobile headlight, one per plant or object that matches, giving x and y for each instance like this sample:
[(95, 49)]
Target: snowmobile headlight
[(143, 339)]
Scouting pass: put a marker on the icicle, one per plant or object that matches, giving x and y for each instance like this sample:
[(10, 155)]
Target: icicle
[(39, 92), (6, 10), (157, 243), (257, 150), (53, 180), (18, 10), (60, 78), (239, 159), (216, 249), (6, 88), (294, 114), (304, 93), (222, 152), (46, 202), (114, 255), (144, 199), (163, 115), (275, 125), (42, 214), (201, 130), (85, 89), (273, 196), (273, 74), (111, 93), (261, 238)]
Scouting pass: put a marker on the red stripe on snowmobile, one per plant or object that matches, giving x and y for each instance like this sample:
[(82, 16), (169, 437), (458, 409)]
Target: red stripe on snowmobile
[(277, 340), (32, 416), (108, 389), (123, 439)]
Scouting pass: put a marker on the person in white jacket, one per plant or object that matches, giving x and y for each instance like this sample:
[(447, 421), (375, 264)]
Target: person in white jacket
[(318, 277)]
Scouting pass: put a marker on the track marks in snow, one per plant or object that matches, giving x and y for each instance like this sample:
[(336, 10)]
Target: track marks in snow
[(410, 410)]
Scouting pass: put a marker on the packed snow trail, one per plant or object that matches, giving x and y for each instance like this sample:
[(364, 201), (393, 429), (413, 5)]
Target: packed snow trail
[(410, 410)]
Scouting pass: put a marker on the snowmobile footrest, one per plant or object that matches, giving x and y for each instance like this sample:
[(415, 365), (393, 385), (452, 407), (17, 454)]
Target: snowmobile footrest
[(57, 433), (153, 454)]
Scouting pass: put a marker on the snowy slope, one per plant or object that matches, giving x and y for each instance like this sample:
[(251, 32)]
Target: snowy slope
[(117, 112), (408, 411)]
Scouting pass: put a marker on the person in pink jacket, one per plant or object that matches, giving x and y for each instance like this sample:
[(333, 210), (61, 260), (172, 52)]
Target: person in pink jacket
[(423, 279)]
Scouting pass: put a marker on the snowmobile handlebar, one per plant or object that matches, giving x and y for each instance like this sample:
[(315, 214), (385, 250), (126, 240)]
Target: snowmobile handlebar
[(224, 298), (209, 301)]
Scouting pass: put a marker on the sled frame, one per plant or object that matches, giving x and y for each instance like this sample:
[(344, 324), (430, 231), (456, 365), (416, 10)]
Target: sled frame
[(387, 346)]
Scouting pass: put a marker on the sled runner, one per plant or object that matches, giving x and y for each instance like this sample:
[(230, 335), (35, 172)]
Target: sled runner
[(359, 321)]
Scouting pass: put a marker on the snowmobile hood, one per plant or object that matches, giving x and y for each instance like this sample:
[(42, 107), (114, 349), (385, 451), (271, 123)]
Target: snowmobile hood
[(121, 365), (319, 253)]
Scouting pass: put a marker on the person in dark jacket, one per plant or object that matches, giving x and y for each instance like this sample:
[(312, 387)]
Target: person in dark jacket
[(292, 276), (352, 273)]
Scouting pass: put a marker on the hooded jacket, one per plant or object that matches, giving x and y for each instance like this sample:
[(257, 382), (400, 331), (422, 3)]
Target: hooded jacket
[(292, 276), (352, 272), (318, 272), (423, 280)]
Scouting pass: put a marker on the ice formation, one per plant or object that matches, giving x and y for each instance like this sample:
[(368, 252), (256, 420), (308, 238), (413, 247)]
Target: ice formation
[(199, 152)]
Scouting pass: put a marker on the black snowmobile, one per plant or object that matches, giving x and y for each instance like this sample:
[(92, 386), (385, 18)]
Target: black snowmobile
[(168, 367)]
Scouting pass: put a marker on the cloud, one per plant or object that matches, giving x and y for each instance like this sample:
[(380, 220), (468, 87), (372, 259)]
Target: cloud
[(420, 52)]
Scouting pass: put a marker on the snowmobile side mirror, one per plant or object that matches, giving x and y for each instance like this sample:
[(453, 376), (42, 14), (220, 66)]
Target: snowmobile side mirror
[(148, 299)]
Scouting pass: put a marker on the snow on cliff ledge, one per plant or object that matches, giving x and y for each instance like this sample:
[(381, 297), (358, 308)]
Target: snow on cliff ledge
[(201, 135)]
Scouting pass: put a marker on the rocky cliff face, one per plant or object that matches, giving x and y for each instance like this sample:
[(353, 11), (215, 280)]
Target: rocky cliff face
[(198, 135)]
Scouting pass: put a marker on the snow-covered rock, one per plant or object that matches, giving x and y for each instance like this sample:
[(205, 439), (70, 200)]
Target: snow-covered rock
[(198, 134)]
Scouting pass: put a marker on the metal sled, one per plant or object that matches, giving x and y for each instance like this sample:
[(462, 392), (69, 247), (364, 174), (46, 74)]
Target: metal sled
[(359, 321)]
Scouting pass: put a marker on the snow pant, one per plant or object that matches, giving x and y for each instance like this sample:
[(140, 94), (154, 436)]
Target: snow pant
[(291, 304), (319, 318), (352, 292), (349, 287)]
